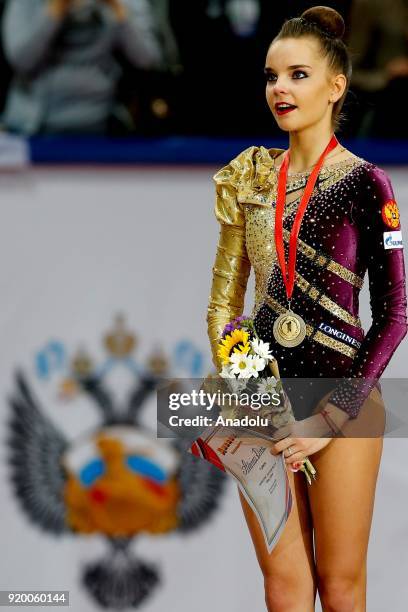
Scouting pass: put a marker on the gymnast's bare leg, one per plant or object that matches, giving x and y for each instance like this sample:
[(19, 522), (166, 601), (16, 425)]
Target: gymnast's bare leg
[(289, 570)]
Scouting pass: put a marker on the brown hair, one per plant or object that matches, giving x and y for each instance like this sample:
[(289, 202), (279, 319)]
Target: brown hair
[(327, 26)]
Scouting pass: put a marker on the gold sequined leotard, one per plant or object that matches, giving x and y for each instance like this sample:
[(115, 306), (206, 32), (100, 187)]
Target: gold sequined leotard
[(351, 226)]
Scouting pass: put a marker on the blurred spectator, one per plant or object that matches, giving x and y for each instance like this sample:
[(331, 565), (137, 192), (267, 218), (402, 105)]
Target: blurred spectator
[(62, 52), (223, 44), (150, 96), (379, 44)]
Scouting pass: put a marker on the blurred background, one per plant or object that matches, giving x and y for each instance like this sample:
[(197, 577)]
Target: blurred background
[(114, 116), (165, 67)]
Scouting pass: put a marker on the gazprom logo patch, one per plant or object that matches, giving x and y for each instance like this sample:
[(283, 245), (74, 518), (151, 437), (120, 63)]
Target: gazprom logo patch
[(393, 240)]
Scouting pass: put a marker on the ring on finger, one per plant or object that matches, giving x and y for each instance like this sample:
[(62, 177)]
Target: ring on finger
[(290, 450)]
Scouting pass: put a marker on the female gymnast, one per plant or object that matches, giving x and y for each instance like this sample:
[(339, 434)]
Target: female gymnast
[(311, 221)]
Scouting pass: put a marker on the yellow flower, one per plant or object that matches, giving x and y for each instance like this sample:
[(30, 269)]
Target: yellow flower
[(237, 341)]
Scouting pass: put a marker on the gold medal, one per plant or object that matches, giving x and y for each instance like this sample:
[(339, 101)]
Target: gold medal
[(289, 329)]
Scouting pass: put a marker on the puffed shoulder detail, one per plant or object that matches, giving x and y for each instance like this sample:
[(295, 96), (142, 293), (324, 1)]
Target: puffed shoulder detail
[(251, 167), (232, 173), (248, 178)]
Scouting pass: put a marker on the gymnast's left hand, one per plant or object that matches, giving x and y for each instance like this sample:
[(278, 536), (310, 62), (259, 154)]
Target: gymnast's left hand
[(303, 437)]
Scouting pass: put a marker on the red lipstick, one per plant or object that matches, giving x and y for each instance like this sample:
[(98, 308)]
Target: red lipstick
[(282, 108)]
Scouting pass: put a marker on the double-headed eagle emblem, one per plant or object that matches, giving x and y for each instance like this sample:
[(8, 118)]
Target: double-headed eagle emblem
[(118, 480)]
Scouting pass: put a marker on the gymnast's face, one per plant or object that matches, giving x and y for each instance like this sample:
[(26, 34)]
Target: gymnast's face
[(298, 74)]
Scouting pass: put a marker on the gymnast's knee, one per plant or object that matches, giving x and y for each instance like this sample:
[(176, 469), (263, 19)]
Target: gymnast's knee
[(288, 594), (339, 594)]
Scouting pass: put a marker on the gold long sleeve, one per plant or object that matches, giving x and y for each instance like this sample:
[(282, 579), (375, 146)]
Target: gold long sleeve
[(232, 266)]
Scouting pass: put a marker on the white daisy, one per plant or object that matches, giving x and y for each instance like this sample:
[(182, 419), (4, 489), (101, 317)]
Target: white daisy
[(226, 372), (238, 385), (261, 348), (257, 365), (241, 364), (267, 385)]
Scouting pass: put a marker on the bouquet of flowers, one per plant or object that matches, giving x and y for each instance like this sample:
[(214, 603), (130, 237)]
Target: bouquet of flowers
[(249, 367)]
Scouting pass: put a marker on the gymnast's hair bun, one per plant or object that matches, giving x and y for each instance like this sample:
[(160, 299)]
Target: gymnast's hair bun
[(326, 19)]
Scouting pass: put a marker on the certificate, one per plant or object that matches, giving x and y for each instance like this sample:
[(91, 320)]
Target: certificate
[(261, 476)]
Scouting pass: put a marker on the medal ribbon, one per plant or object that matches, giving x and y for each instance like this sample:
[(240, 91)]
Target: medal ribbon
[(289, 276)]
